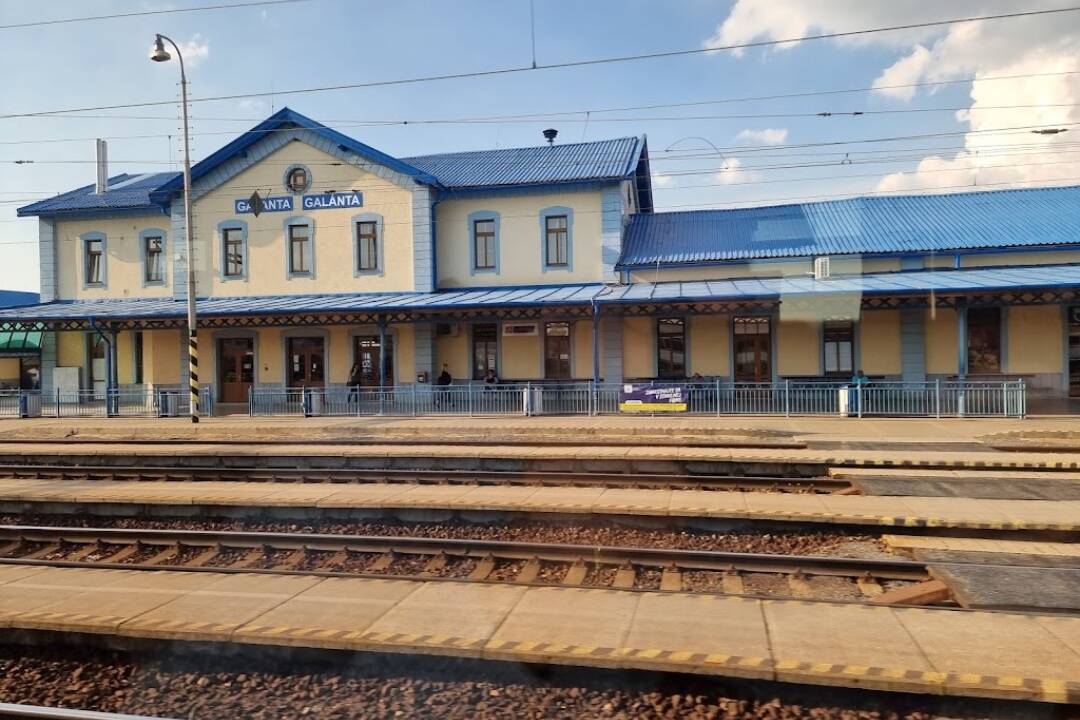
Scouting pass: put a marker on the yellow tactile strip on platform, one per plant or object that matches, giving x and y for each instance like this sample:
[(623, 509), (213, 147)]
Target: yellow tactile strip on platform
[(885, 458), (1006, 655), (1017, 547)]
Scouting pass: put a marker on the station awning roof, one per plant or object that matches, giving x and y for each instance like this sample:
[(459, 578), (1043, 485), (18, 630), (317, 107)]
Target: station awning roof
[(20, 342), (921, 282)]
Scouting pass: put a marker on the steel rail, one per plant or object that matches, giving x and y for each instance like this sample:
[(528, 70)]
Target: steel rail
[(454, 547), (424, 477), (11, 710)]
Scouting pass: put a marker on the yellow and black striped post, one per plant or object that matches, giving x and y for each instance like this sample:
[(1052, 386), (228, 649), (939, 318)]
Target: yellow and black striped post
[(193, 372)]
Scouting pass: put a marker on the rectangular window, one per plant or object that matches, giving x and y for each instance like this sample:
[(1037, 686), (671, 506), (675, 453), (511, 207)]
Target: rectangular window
[(367, 246), (232, 243), (671, 348), (839, 348), (984, 340), (555, 243), (484, 239), (485, 343), (95, 270), (137, 341), (154, 256), (299, 249)]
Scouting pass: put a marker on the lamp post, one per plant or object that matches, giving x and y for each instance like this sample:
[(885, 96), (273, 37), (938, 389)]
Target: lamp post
[(160, 54)]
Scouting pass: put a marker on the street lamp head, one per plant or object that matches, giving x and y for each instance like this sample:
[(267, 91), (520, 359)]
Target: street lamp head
[(159, 53)]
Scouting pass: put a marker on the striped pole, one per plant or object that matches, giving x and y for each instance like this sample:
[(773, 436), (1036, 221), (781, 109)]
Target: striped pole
[(193, 372)]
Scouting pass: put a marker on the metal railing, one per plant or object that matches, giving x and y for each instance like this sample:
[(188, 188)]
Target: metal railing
[(131, 401), (717, 397)]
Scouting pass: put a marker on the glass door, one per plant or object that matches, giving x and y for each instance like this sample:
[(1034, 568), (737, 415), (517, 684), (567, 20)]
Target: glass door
[(753, 349), (366, 354), (1074, 352), (307, 362), (557, 351)]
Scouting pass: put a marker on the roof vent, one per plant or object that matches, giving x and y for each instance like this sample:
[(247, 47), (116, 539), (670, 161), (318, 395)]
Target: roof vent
[(550, 134), (102, 183), (821, 268)]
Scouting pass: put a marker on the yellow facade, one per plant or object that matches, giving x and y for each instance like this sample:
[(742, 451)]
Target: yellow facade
[(123, 272), (522, 358), (1036, 335), (799, 349), (941, 353), (453, 351), (161, 357), (520, 240), (709, 339), (10, 371), (267, 271), (581, 344), (879, 342), (639, 347)]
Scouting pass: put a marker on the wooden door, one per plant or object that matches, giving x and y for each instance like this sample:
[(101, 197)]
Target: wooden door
[(753, 349), (366, 354), (236, 368), (307, 362), (557, 351)]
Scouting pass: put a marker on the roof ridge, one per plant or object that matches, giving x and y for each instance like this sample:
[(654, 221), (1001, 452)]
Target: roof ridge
[(872, 198), (522, 147)]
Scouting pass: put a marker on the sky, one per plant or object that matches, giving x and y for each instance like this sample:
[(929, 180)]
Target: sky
[(943, 109)]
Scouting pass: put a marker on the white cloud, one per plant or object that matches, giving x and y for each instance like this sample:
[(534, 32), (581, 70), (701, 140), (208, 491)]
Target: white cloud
[(733, 172), (195, 50), (980, 50), (765, 136), (661, 180)]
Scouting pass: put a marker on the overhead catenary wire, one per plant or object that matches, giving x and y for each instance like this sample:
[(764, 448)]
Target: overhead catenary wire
[(145, 13), (586, 120), (1018, 129), (214, 216), (493, 72)]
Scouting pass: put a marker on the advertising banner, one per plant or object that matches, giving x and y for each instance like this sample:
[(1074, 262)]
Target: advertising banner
[(652, 398)]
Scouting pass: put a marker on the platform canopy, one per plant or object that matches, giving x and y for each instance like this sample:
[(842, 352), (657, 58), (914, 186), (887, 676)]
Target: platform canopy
[(1035, 285)]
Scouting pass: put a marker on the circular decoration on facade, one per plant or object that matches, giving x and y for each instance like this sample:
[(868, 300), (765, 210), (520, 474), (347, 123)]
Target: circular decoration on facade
[(297, 179)]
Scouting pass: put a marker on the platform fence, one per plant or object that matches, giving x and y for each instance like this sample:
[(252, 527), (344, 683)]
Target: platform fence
[(132, 401), (788, 398)]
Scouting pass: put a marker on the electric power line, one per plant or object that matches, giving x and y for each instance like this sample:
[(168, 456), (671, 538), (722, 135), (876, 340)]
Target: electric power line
[(144, 13), (561, 65)]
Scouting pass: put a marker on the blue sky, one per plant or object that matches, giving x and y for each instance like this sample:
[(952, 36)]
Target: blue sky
[(325, 42)]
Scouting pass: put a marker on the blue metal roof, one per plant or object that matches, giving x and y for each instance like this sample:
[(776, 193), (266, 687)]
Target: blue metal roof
[(124, 193), (865, 225), (286, 118), (578, 162), (16, 298), (898, 283), (574, 162)]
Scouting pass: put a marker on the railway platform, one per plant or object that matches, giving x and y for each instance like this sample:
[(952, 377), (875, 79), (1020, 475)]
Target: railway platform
[(958, 652), (603, 454), (187, 497)]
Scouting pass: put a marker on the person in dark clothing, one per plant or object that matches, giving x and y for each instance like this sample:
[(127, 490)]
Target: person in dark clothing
[(443, 381), (354, 382), (490, 379)]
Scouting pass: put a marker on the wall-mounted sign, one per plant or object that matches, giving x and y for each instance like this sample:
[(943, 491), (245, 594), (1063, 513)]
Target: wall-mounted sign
[(327, 201), (286, 203), (652, 398)]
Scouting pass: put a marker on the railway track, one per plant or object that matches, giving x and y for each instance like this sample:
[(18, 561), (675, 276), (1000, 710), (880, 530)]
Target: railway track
[(822, 484), (11, 710), (812, 577)]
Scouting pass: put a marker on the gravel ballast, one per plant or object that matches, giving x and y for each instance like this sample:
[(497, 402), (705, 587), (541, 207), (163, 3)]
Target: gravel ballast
[(208, 686)]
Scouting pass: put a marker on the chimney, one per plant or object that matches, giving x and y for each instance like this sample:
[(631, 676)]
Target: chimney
[(102, 167)]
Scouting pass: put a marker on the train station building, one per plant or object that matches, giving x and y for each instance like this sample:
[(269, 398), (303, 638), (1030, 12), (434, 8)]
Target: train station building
[(315, 253)]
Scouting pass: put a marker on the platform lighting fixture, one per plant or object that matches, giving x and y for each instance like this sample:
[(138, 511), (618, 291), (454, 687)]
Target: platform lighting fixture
[(160, 54)]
